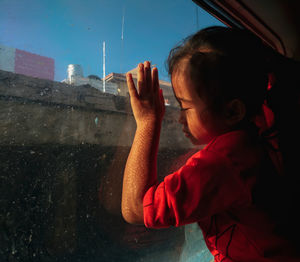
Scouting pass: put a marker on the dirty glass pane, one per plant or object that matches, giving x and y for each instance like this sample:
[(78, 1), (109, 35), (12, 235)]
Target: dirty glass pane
[(66, 127)]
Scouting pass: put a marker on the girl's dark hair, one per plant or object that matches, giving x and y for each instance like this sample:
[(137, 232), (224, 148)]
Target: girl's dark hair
[(234, 63), (234, 67)]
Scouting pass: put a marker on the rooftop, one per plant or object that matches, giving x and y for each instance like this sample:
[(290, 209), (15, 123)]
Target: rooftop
[(133, 71)]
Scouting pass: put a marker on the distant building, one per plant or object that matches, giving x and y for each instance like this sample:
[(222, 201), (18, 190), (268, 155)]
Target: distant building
[(115, 83), (120, 80), (26, 63), (76, 78)]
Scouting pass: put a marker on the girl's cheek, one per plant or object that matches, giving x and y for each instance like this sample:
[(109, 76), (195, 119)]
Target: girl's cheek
[(203, 118)]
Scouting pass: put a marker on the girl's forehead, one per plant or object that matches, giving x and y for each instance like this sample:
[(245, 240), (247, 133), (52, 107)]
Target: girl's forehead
[(181, 71), (182, 85)]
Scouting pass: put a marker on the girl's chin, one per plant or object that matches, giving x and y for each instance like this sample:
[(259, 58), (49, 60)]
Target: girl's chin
[(193, 140)]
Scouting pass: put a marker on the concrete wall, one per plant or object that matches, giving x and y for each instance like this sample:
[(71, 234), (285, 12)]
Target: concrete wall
[(35, 111)]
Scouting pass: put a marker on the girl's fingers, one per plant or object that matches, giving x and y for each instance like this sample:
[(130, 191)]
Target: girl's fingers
[(147, 81), (131, 87), (161, 95), (162, 100), (140, 79), (155, 81), (147, 75)]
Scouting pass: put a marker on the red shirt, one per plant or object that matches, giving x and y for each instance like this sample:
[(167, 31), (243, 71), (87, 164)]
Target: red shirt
[(215, 189)]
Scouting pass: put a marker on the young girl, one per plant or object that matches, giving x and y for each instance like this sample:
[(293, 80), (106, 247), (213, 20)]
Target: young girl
[(220, 79)]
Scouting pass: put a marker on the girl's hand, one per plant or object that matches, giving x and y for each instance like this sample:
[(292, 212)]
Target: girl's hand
[(147, 100)]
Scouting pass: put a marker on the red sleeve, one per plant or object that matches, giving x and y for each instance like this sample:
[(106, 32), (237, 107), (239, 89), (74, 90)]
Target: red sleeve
[(207, 184)]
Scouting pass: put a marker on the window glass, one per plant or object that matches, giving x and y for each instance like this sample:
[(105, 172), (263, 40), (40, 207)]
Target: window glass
[(66, 127)]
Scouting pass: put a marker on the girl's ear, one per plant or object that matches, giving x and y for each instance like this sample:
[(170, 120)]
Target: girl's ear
[(235, 112)]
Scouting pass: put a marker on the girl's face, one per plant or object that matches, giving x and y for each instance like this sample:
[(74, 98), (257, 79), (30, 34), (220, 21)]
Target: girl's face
[(200, 125)]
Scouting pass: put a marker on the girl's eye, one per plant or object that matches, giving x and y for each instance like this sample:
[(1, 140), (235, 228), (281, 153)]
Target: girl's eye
[(183, 109)]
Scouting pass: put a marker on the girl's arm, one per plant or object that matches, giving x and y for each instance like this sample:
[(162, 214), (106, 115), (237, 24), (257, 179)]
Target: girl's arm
[(141, 168)]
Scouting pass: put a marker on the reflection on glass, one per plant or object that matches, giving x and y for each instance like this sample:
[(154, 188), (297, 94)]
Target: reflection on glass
[(66, 129)]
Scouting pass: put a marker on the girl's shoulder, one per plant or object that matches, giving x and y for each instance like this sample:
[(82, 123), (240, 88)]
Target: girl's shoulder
[(237, 139), (222, 146)]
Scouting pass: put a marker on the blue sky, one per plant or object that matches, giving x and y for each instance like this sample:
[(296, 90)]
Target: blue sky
[(73, 31)]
